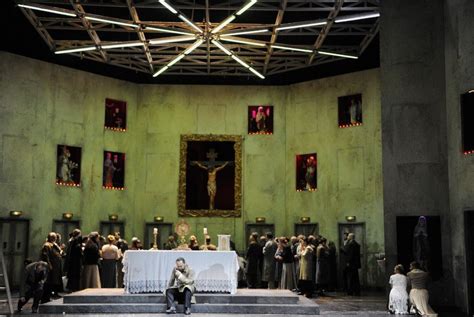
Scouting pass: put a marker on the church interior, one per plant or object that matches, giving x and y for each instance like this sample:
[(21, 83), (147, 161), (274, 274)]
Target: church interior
[(212, 118)]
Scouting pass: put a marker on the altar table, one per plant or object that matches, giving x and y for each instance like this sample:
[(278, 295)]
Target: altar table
[(147, 271)]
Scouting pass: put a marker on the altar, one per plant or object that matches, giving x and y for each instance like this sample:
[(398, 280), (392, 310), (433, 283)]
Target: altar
[(148, 271)]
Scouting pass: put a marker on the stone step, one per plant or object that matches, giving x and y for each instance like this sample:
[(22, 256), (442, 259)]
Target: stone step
[(200, 299), (303, 307)]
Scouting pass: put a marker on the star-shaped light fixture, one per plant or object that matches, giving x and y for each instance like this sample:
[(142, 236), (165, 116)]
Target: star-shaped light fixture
[(211, 35)]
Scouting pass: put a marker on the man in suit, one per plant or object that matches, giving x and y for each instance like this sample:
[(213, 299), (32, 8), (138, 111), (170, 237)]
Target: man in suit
[(352, 257), (32, 285), (180, 286), (269, 262)]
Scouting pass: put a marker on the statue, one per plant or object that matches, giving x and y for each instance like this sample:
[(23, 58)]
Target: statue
[(421, 246)]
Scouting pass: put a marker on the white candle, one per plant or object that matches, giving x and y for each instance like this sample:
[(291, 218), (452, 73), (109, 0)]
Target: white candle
[(205, 230), (155, 230)]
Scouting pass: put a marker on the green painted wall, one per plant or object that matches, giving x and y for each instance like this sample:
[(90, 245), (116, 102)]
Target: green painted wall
[(42, 105)]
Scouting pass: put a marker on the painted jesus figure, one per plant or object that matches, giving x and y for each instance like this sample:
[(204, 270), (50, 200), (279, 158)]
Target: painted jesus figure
[(211, 180)]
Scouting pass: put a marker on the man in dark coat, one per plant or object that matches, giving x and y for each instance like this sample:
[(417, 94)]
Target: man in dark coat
[(32, 285), (74, 261), (51, 254), (180, 285), (352, 257)]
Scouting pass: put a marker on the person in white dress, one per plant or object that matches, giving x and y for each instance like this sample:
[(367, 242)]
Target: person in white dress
[(398, 298)]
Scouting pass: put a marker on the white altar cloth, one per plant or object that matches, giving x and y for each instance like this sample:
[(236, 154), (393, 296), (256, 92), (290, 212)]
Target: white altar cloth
[(147, 271)]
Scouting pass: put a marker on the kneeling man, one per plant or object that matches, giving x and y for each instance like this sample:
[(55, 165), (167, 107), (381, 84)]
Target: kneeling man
[(180, 286)]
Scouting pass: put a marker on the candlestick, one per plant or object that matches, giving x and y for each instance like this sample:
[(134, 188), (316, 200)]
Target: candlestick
[(205, 230), (155, 230), (155, 235)]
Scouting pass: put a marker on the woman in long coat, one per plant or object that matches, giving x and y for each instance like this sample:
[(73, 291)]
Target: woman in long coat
[(306, 256), (322, 266), (90, 274), (74, 261), (253, 256)]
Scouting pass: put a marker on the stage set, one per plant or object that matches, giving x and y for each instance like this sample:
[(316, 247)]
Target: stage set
[(146, 275)]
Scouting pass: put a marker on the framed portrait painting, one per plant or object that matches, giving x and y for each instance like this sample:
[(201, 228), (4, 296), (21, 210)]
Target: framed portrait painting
[(306, 172), (68, 165), (114, 170), (350, 110), (260, 120), (210, 175), (115, 115)]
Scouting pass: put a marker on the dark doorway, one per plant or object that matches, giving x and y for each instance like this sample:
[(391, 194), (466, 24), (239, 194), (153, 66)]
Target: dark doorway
[(260, 228), (164, 231), (358, 229), (14, 234), (469, 236), (415, 244), (306, 229), (110, 227)]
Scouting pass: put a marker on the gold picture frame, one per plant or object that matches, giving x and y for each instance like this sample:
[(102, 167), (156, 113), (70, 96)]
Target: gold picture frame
[(194, 140)]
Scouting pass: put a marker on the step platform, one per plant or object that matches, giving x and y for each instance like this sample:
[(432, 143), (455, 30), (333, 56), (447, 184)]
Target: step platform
[(245, 301)]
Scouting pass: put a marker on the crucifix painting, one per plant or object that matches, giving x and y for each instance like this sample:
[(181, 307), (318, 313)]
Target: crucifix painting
[(210, 169)]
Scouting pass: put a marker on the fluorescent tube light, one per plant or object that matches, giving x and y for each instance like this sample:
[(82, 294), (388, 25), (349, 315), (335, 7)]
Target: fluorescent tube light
[(223, 24), (292, 49), (249, 42), (168, 6), (241, 62), (246, 32), (219, 45), (188, 22), (162, 70), (177, 59), (246, 7), (193, 47), (112, 21), (75, 50), (172, 40), (119, 45), (337, 54), (152, 28), (302, 25), (55, 11), (356, 17), (256, 73)]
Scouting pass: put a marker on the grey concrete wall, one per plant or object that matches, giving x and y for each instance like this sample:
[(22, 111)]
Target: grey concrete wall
[(414, 133), (459, 51)]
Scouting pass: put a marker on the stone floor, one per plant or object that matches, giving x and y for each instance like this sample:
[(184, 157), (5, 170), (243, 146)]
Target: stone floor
[(334, 304)]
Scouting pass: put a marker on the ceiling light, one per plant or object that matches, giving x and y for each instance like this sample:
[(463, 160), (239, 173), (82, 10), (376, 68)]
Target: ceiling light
[(219, 45), (246, 32), (75, 50), (152, 28), (162, 70), (256, 73), (356, 17), (246, 7), (55, 10), (193, 47), (292, 49), (337, 54), (120, 45), (241, 62), (223, 24), (111, 21), (194, 26), (300, 25), (177, 59), (172, 39), (241, 41), (167, 6)]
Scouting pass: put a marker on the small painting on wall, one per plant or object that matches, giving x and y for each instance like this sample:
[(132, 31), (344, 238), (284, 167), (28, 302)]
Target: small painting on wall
[(306, 172), (350, 111), (260, 120), (114, 170), (115, 115), (68, 165)]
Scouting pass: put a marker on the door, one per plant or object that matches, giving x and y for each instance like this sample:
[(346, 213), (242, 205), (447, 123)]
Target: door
[(468, 235), (14, 235), (306, 229), (260, 228), (359, 231), (165, 230), (110, 227), (64, 228)]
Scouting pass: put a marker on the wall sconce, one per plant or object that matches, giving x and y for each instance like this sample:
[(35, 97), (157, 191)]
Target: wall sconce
[(260, 219), (350, 218), (113, 217), (305, 219), (16, 213), (68, 215), (158, 219)]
